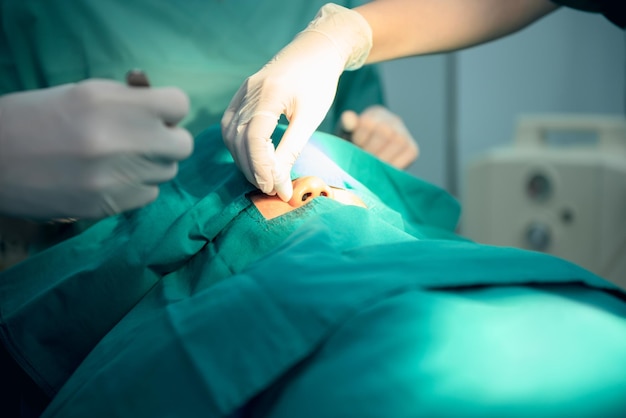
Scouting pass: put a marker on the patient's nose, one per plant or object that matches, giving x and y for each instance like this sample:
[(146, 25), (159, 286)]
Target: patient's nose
[(308, 188)]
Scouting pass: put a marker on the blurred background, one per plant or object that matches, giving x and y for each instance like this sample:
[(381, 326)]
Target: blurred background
[(461, 106)]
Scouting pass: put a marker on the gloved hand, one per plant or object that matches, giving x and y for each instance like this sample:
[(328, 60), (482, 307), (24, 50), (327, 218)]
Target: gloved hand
[(299, 82), (381, 133), (89, 149)]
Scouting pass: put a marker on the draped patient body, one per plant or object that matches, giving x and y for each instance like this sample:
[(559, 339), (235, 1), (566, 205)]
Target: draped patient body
[(404, 319)]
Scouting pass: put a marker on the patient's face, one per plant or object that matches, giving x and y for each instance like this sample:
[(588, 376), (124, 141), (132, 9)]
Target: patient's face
[(305, 189)]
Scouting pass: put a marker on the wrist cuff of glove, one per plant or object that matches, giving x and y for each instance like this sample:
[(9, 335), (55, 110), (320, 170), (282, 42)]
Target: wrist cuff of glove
[(347, 30)]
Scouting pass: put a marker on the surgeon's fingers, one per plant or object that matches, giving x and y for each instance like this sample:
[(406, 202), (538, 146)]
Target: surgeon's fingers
[(392, 147), (369, 140), (386, 141), (132, 169), (122, 200), (402, 155), (230, 121), (370, 137), (247, 126), (293, 141), (257, 151), (166, 143), (405, 154), (399, 147), (383, 134), (252, 149), (239, 150), (402, 160), (170, 104)]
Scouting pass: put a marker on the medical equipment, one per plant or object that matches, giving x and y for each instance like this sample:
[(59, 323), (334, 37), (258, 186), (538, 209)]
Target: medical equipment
[(569, 201), (137, 78)]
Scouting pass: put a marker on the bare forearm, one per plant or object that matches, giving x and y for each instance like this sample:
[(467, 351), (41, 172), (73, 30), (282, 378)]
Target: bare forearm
[(404, 28)]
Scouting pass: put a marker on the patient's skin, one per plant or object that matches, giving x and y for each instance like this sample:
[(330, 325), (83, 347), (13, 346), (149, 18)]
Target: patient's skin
[(305, 189)]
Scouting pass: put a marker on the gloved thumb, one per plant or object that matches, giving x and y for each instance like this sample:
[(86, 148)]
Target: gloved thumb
[(348, 122)]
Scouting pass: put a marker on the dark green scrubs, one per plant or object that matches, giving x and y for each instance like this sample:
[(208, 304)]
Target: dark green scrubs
[(205, 47)]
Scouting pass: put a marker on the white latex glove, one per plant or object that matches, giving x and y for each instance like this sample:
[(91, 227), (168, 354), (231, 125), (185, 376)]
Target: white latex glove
[(88, 150), (381, 133), (299, 82)]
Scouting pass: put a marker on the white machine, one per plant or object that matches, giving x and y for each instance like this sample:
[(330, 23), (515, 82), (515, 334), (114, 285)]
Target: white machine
[(567, 200)]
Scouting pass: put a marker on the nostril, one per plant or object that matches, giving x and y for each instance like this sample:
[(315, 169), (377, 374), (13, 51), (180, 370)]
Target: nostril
[(307, 188)]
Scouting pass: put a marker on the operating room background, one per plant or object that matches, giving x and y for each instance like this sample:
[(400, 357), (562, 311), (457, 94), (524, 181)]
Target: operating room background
[(459, 105)]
